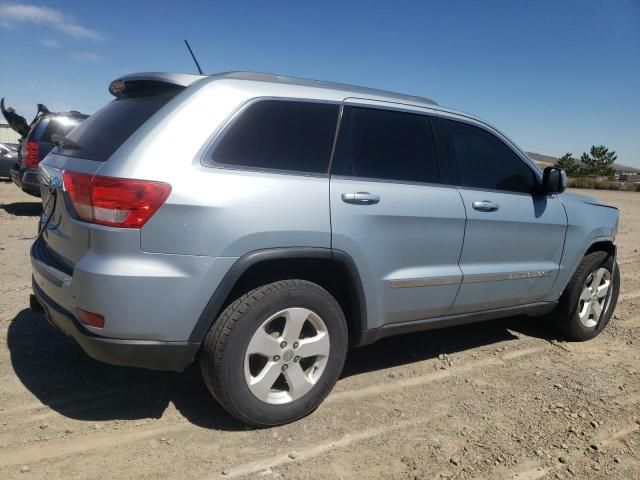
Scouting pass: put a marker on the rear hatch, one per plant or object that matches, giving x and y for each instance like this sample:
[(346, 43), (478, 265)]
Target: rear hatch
[(17, 122), (85, 151), (45, 132)]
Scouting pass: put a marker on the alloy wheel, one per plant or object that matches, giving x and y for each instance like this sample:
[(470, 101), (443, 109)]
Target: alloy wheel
[(286, 356), (593, 299)]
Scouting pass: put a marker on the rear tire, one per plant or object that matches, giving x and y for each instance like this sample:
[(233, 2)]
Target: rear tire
[(588, 302), (275, 353)]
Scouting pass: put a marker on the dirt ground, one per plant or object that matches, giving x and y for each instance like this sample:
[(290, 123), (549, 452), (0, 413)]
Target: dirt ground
[(500, 399)]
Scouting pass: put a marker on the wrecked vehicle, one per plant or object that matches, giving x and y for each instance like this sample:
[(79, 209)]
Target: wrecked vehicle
[(37, 139)]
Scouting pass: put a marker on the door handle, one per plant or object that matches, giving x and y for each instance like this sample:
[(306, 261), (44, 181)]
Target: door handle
[(485, 206), (360, 198)]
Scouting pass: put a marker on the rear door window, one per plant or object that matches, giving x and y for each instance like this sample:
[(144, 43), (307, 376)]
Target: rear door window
[(386, 144), (280, 135), (103, 132)]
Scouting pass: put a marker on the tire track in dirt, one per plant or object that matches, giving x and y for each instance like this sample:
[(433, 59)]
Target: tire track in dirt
[(93, 400), (432, 377), (33, 453), (316, 450), (533, 470), (628, 296)]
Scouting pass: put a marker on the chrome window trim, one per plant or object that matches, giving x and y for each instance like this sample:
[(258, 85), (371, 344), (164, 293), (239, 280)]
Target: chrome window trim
[(361, 102), (427, 111)]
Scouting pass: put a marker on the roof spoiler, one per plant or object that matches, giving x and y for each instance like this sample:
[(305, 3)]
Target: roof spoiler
[(136, 82)]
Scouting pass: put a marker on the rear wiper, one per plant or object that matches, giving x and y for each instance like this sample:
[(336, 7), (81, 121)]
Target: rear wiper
[(68, 144)]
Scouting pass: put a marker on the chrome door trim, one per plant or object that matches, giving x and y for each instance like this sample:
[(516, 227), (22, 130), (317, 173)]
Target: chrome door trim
[(479, 278), (498, 277), (425, 282)]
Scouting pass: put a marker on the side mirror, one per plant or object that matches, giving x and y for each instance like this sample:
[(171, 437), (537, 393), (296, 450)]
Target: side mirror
[(554, 180)]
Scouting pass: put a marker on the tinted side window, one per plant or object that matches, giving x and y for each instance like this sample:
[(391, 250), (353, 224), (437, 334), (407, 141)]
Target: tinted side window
[(281, 135), (482, 159), (386, 144)]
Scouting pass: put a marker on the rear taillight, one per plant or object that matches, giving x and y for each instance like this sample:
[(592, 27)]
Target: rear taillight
[(115, 202), (32, 154)]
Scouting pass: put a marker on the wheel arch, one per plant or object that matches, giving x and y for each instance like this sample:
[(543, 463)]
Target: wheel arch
[(333, 270), (604, 245)]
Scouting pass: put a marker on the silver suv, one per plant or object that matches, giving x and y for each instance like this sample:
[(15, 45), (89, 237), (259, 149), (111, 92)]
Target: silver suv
[(264, 224)]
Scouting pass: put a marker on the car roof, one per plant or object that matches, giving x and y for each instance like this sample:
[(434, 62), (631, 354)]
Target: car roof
[(185, 80), (340, 89)]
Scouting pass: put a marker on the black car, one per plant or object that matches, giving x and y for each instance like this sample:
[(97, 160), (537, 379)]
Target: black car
[(37, 139)]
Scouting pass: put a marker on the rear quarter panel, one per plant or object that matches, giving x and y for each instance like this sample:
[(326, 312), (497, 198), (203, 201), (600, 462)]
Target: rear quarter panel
[(227, 213), (214, 211)]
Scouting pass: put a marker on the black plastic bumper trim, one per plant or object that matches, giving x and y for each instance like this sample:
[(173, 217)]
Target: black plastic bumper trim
[(26, 179), (150, 354), (532, 309)]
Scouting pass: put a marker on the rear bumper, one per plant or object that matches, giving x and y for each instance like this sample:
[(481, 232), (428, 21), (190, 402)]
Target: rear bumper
[(154, 355), (26, 179), (150, 302)]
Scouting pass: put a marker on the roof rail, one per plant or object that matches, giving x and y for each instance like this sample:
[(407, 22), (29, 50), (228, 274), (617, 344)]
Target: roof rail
[(283, 79)]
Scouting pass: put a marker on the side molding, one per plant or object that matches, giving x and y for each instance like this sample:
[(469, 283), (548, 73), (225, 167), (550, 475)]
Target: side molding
[(532, 309)]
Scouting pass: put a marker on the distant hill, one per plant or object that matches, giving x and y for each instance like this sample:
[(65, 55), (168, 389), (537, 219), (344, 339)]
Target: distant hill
[(547, 160)]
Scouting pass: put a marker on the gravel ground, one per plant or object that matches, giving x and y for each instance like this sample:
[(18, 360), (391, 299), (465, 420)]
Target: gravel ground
[(501, 399)]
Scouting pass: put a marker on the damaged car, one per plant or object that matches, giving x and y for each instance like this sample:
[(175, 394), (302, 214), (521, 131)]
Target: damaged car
[(37, 139)]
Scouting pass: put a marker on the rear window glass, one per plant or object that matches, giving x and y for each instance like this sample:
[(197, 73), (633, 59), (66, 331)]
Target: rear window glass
[(281, 135), (58, 127), (103, 132)]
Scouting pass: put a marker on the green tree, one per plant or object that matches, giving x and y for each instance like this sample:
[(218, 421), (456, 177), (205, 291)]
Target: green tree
[(599, 161), (569, 164)]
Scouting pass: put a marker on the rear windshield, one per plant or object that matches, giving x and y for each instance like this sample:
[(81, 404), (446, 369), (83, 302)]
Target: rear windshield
[(58, 126), (104, 131)]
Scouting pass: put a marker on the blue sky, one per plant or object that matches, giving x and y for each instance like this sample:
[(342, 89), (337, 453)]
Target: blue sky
[(554, 76)]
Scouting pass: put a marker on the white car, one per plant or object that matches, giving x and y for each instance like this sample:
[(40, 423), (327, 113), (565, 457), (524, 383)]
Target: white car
[(8, 157)]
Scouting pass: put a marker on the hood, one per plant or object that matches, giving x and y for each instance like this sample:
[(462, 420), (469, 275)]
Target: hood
[(586, 199), (18, 122), (15, 121)]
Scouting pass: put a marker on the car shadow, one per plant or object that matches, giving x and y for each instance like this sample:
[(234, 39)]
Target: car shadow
[(63, 377), (23, 209), (414, 347)]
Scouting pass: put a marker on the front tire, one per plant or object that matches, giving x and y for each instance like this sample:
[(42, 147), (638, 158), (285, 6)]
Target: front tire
[(588, 302), (275, 353)]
